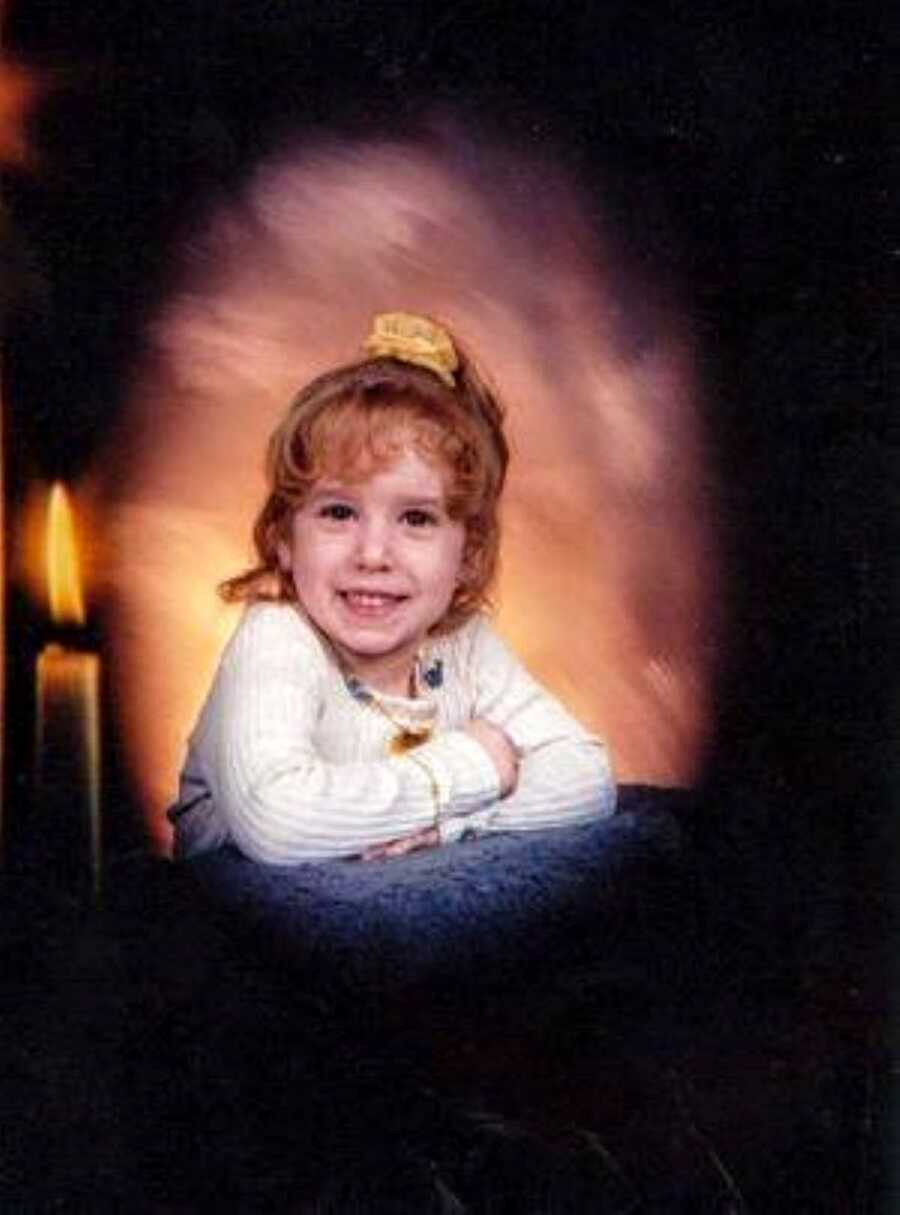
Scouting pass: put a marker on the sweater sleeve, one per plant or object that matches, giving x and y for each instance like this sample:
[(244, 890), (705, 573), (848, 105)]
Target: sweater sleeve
[(565, 774), (279, 800)]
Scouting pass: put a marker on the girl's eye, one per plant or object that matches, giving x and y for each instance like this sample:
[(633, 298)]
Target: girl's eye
[(420, 518), (338, 511)]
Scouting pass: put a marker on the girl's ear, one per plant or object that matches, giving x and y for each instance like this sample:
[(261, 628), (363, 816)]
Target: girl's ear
[(284, 556)]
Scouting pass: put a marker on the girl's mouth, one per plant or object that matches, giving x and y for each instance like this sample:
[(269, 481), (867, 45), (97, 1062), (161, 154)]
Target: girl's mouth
[(370, 601)]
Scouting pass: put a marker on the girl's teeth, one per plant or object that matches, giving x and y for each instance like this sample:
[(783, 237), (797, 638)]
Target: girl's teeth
[(365, 600)]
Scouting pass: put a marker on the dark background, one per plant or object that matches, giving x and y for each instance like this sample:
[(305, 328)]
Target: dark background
[(742, 151)]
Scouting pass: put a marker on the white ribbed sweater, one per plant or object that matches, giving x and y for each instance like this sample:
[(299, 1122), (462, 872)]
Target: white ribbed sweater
[(285, 762)]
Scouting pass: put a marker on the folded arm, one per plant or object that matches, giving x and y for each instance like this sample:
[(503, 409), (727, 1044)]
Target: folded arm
[(565, 774)]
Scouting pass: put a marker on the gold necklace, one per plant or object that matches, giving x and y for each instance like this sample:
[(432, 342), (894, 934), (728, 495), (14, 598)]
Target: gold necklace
[(407, 737)]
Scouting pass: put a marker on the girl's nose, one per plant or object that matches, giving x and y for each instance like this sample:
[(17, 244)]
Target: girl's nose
[(374, 546)]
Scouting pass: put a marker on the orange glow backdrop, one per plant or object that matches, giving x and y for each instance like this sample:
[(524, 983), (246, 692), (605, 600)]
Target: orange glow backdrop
[(609, 585)]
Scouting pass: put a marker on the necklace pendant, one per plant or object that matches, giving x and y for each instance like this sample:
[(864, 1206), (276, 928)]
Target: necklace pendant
[(407, 740)]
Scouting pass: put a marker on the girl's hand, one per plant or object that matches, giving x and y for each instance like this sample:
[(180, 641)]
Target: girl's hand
[(498, 745), (428, 837)]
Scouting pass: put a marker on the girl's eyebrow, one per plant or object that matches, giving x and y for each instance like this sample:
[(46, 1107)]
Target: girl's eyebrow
[(423, 500), (337, 489)]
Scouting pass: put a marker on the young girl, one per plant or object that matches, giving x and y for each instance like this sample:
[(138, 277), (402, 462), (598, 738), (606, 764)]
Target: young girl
[(365, 706)]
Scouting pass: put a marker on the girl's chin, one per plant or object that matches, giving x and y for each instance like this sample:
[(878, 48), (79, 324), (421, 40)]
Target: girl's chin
[(371, 650), (361, 650)]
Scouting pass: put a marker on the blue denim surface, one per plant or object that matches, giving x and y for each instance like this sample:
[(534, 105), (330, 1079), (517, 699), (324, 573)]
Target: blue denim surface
[(496, 903)]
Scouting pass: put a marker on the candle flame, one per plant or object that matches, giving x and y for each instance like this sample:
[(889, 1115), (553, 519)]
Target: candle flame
[(63, 569)]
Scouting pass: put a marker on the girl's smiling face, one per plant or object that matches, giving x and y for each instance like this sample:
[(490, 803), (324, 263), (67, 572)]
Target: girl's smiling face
[(375, 563)]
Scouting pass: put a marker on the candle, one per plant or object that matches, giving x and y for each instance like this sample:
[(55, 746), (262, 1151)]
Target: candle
[(67, 744)]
